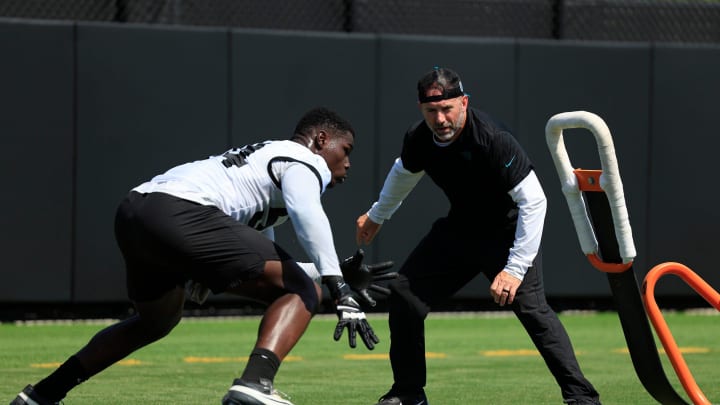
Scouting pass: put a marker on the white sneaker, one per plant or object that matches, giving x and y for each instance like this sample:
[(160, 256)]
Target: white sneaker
[(247, 393)]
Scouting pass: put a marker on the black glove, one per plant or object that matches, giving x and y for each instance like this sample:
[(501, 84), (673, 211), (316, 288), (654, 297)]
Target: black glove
[(362, 277), (196, 292), (349, 313)]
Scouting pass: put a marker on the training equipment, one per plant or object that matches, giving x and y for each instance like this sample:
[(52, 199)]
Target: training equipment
[(607, 241), (28, 396), (362, 278), (661, 327), (349, 314), (247, 393)]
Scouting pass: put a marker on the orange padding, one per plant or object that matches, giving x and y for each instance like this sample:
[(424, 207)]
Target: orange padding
[(588, 180), (607, 267), (661, 327)]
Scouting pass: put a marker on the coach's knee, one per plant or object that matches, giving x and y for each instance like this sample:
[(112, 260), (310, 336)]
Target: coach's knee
[(403, 300)]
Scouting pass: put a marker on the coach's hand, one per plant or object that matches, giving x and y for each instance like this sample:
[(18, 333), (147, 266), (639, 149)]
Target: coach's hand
[(362, 277), (350, 315)]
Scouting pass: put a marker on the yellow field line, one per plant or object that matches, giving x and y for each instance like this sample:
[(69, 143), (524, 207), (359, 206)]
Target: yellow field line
[(369, 356)]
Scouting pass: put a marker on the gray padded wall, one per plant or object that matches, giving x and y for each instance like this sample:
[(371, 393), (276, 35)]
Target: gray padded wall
[(277, 77), (487, 69), (36, 169), (682, 196), (148, 99), (613, 82)]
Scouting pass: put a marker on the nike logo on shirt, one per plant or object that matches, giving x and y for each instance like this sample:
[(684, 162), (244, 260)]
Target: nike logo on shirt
[(508, 164)]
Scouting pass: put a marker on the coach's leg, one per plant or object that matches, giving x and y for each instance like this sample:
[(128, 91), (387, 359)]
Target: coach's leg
[(406, 319), (432, 273), (154, 320), (550, 337)]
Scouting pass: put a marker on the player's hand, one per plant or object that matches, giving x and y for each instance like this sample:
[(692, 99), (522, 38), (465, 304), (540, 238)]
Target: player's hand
[(362, 277), (196, 292), (350, 315)]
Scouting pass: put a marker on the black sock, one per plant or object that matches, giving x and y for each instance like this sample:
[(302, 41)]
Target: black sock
[(55, 386), (261, 364)]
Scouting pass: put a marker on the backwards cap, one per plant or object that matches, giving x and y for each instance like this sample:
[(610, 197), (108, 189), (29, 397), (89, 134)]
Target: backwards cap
[(439, 78)]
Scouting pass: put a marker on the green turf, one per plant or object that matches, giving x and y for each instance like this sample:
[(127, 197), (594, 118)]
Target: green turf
[(481, 360)]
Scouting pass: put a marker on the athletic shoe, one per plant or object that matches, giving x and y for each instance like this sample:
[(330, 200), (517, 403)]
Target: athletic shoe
[(249, 393), (394, 398), (28, 396), (582, 401)]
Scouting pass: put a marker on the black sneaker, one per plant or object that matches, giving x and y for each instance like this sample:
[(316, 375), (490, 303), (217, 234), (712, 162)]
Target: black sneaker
[(28, 396), (582, 401), (249, 393), (395, 398)]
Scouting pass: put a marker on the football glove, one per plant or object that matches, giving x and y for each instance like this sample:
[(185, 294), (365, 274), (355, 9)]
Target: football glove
[(350, 315), (362, 277), (196, 292)]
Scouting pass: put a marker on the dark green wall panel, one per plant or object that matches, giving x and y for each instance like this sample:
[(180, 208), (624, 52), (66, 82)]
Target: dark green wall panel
[(36, 168), (686, 138), (96, 109), (148, 99), (613, 82), (277, 77)]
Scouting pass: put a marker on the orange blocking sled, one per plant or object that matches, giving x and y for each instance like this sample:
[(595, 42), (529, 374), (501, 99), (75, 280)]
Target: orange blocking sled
[(661, 327)]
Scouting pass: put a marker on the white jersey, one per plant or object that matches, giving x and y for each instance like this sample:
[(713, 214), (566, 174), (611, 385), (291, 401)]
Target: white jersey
[(262, 185)]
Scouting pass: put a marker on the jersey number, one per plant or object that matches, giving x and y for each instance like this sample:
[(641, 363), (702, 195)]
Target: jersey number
[(237, 156)]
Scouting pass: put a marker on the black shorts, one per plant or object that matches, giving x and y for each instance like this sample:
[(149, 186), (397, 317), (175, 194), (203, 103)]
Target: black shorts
[(166, 240)]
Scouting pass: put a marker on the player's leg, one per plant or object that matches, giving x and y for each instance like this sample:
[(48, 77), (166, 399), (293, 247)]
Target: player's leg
[(551, 339), (153, 320), (294, 299), (155, 291)]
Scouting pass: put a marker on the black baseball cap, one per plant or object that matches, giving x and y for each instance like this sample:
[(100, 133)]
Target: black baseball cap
[(445, 79)]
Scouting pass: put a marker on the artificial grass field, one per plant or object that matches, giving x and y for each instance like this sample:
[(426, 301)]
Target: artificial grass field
[(474, 358)]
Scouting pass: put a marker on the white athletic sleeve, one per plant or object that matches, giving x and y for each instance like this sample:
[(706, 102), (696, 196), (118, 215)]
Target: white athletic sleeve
[(530, 198), (269, 233), (398, 184), (301, 192), (311, 271)]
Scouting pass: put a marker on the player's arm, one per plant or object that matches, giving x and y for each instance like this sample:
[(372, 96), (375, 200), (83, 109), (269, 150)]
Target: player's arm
[(398, 184), (301, 192), (269, 233)]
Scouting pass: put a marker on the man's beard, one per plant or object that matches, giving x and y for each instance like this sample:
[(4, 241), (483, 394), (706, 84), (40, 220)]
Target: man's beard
[(455, 127)]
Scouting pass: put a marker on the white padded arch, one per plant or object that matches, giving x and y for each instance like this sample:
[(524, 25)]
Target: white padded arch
[(609, 180)]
